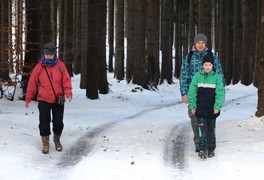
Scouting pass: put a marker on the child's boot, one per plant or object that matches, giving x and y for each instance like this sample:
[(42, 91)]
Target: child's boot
[(202, 154), (211, 153)]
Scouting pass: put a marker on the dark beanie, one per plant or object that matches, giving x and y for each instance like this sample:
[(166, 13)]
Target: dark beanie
[(200, 37), (209, 58), (49, 49)]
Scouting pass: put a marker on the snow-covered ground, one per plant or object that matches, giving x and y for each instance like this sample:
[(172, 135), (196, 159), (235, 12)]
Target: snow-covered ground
[(125, 135)]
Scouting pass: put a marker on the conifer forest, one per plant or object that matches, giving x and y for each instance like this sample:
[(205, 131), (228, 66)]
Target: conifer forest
[(139, 41)]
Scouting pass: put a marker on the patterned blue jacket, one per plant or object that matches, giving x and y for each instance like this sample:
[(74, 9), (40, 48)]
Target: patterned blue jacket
[(188, 70)]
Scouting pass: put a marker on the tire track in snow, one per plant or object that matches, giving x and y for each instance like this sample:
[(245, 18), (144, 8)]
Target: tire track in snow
[(176, 142), (175, 145), (84, 145), (174, 149)]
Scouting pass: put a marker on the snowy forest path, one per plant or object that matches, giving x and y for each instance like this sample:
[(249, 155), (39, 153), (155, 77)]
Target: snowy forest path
[(84, 145), (176, 139)]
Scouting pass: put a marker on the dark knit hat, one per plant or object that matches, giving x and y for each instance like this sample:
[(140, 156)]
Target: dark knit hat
[(208, 58), (49, 49), (200, 37)]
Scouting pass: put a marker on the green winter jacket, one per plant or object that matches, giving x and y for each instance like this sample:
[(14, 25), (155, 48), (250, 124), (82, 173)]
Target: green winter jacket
[(206, 93)]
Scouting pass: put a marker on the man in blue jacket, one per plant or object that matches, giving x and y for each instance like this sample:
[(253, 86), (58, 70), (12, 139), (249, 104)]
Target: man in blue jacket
[(193, 63)]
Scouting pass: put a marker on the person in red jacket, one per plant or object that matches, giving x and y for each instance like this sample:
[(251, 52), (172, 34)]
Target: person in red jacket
[(51, 81)]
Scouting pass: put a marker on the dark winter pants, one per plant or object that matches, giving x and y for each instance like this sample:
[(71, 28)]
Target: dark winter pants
[(45, 110), (194, 128), (206, 133)]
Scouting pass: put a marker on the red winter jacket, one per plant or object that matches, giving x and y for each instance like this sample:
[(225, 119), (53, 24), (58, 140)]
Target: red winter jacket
[(39, 81)]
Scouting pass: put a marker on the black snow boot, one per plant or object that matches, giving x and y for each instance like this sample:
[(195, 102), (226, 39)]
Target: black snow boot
[(197, 149), (202, 154), (211, 153)]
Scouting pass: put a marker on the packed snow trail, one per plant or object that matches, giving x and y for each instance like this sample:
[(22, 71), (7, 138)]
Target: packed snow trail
[(175, 147), (174, 150), (175, 143), (83, 146)]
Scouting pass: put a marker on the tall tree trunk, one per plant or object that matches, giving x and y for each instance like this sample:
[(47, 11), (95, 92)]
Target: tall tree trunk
[(4, 43), (84, 43), (217, 25), (101, 39), (139, 69), (191, 30), (33, 47), (45, 19), (222, 33), (254, 17), (228, 43), (110, 34), (185, 27), (179, 38), (92, 52), (119, 39), (204, 20), (68, 36), (78, 37), (1, 51), (246, 68), (130, 42), (17, 51), (166, 23), (54, 10), (61, 28), (260, 59), (237, 36), (153, 26)]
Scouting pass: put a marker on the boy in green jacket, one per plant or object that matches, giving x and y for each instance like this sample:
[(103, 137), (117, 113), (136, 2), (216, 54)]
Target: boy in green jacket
[(206, 97)]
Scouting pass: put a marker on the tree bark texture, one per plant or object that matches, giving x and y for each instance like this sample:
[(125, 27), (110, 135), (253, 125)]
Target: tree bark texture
[(4, 43), (33, 46), (111, 34), (119, 39), (68, 36), (204, 20), (84, 43), (260, 60), (166, 48), (101, 39), (139, 68), (246, 66), (237, 43), (153, 29), (92, 53), (78, 37)]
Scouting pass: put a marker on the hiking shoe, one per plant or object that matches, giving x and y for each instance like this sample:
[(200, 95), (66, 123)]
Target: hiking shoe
[(197, 149), (56, 140), (211, 153), (45, 143), (202, 154)]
